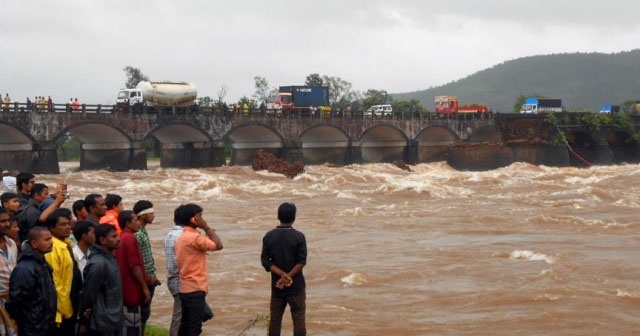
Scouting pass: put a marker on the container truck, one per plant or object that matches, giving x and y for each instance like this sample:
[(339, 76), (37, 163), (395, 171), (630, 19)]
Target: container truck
[(301, 99), (541, 105), (449, 105), (609, 109), (159, 94)]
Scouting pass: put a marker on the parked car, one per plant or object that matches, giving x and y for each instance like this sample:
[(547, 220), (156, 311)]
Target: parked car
[(379, 111)]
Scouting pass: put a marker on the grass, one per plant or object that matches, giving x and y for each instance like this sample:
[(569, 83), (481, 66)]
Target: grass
[(155, 331)]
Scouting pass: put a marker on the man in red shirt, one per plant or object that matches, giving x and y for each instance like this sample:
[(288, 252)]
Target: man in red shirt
[(135, 291), (191, 256)]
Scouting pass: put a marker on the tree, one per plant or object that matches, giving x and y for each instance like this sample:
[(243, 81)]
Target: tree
[(262, 89), (221, 94), (376, 97), (250, 103), (407, 108), (205, 101), (340, 93), (134, 76), (314, 80)]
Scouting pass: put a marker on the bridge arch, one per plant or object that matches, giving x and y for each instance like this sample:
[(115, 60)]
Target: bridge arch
[(185, 145), (16, 147), (101, 145), (434, 143), (325, 143), (247, 138), (384, 143)]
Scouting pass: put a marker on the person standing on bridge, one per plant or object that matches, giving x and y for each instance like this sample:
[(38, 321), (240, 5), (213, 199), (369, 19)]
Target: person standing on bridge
[(76, 105), (7, 102)]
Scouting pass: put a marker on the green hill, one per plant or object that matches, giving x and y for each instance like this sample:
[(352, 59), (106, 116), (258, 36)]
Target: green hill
[(584, 81)]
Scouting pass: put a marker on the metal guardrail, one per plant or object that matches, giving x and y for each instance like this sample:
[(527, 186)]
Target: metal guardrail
[(215, 111)]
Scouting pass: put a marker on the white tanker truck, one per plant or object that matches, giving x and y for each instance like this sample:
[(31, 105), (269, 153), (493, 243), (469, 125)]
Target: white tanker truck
[(159, 94)]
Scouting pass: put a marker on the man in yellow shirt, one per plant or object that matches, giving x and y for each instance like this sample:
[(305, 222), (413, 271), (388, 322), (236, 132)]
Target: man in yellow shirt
[(61, 261)]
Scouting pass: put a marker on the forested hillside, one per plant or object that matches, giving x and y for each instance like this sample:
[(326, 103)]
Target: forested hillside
[(583, 81)]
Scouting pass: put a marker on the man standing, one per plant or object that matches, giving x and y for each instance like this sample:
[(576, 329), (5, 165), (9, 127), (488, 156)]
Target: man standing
[(8, 259), (191, 254), (62, 262), (144, 210), (24, 182), (84, 232), (32, 294), (79, 211), (10, 201), (31, 215), (101, 299), (96, 208), (134, 280), (284, 254), (114, 206), (173, 277)]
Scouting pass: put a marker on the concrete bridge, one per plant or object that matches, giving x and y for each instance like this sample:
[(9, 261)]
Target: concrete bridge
[(29, 140)]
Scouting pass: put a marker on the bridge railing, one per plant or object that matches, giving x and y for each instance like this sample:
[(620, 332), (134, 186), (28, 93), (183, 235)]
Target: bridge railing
[(58, 108), (217, 111)]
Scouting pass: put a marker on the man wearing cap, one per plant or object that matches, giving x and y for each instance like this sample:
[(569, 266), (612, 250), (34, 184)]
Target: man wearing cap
[(144, 210)]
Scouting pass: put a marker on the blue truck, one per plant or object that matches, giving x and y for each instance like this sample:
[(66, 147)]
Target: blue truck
[(541, 105), (304, 99), (609, 109)]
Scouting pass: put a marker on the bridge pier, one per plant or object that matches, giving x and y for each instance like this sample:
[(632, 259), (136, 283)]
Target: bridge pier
[(45, 158), (138, 155), (192, 155)]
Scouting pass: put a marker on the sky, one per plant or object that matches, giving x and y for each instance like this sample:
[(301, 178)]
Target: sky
[(79, 48)]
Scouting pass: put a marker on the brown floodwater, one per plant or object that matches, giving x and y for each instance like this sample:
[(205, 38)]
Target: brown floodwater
[(522, 250)]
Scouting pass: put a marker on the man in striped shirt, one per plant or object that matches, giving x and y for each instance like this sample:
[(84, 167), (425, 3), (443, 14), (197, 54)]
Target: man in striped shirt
[(144, 210)]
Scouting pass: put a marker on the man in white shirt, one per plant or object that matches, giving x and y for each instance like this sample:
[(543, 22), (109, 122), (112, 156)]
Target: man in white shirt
[(84, 232)]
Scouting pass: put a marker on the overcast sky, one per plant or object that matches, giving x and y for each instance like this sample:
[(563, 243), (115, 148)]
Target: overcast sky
[(78, 48)]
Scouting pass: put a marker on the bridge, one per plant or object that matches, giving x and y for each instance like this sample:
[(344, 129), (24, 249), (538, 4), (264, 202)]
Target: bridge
[(199, 138)]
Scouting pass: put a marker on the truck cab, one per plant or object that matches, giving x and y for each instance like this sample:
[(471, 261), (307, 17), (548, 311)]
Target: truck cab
[(130, 97)]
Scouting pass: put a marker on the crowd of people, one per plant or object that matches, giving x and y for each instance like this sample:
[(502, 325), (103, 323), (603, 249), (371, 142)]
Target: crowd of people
[(90, 270), (41, 104)]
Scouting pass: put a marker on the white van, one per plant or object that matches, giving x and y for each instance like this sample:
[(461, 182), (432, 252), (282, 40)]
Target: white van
[(379, 111)]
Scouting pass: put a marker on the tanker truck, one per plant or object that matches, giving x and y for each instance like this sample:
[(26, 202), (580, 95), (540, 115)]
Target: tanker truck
[(154, 94)]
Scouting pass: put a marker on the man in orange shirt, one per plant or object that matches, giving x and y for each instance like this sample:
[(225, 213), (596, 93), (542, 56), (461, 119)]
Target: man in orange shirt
[(114, 207), (191, 256)]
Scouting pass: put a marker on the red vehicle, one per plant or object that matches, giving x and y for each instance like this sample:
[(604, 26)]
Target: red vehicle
[(449, 105)]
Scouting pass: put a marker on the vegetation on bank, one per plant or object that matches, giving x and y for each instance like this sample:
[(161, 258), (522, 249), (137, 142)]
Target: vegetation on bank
[(594, 122), (584, 81)]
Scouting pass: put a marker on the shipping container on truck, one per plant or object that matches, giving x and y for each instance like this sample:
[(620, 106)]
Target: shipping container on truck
[(609, 108), (541, 105), (300, 99)]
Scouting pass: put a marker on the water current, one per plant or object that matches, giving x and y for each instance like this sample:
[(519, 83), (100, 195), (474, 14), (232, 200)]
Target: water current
[(522, 250)]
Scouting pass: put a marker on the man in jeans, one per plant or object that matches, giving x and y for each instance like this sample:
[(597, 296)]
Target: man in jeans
[(284, 254), (191, 255), (173, 277)]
